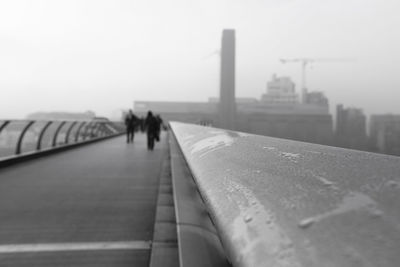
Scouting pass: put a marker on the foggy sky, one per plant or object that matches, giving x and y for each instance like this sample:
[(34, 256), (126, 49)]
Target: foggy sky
[(102, 55)]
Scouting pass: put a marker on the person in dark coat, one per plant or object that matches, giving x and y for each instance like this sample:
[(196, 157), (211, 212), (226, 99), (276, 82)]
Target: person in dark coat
[(142, 120), (151, 124), (160, 123), (130, 123)]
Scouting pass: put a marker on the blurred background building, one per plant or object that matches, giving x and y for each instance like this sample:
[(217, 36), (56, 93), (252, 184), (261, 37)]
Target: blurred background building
[(277, 113), (227, 99), (385, 134), (61, 115), (280, 112), (350, 128)]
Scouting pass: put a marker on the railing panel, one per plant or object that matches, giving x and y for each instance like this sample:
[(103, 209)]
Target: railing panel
[(9, 137), (22, 140), (56, 134), (22, 135), (31, 137), (3, 124), (42, 132), (278, 202), (70, 132), (80, 134), (62, 134), (47, 141), (78, 130)]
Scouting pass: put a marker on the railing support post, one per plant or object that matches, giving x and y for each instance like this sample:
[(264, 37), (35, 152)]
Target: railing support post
[(4, 125), (79, 131), (39, 143), (86, 130), (93, 129), (98, 129), (69, 132), (56, 133), (21, 137)]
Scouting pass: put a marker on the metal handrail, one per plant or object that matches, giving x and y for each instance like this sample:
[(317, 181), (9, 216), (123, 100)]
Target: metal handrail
[(95, 127), (278, 202)]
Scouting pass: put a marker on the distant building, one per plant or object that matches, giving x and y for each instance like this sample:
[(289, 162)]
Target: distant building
[(316, 98), (280, 108), (238, 100), (280, 90), (61, 115), (313, 128), (277, 114), (385, 133), (298, 122), (280, 114), (281, 97), (227, 103), (191, 112), (350, 128)]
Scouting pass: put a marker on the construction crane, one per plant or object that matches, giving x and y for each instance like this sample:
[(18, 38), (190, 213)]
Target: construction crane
[(215, 52), (304, 62)]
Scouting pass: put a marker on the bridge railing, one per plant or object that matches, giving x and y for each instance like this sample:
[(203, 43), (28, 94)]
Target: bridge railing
[(277, 202), (29, 136)]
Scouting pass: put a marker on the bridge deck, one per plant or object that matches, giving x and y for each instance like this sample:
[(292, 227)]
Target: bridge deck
[(90, 206)]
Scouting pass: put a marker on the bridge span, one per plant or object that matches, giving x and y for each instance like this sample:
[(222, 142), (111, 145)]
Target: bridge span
[(203, 197), (91, 206)]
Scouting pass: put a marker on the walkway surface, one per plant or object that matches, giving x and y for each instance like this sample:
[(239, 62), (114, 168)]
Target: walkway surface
[(90, 206)]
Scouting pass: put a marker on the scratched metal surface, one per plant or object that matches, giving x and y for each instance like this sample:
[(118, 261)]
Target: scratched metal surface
[(278, 202)]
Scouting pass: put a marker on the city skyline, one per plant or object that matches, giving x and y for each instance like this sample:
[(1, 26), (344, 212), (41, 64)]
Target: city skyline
[(103, 55)]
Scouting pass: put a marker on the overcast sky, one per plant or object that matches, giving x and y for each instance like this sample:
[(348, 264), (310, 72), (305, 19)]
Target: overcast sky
[(101, 55)]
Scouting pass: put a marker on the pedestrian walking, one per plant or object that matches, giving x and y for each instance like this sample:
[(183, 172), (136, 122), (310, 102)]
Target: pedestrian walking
[(130, 123), (151, 125), (158, 131)]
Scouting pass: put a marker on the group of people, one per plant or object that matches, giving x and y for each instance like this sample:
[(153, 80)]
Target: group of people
[(151, 124)]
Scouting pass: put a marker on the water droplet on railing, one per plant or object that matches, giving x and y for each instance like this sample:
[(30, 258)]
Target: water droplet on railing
[(248, 218), (306, 222), (375, 213), (393, 184)]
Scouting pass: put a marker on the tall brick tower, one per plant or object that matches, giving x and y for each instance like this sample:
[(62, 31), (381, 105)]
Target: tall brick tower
[(227, 102)]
